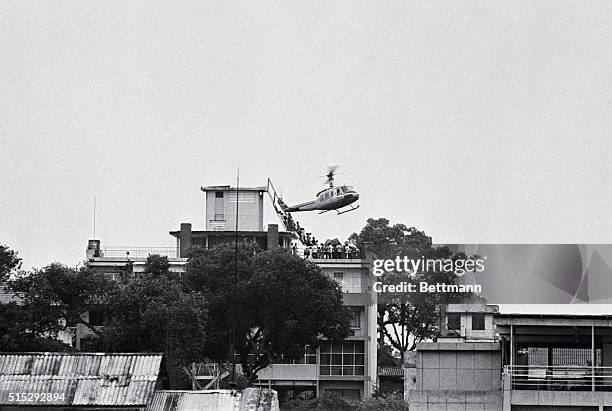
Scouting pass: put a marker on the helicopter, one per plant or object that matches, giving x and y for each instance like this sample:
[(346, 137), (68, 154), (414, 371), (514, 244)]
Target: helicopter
[(332, 198)]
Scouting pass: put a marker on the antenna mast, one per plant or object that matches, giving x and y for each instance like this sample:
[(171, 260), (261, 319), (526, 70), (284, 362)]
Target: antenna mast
[(94, 219)]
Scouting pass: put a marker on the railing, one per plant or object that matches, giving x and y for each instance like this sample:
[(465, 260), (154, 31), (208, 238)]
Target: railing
[(559, 377), (113, 251), (205, 369)]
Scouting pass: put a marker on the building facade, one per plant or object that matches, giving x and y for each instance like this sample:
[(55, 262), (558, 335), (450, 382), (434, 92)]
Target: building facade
[(222, 203), (484, 360), (347, 369)]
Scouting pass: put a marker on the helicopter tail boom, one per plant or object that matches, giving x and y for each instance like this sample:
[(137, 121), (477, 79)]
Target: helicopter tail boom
[(307, 206)]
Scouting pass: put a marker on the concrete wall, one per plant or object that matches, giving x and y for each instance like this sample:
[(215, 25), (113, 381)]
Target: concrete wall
[(449, 400), (461, 366), (289, 372), (457, 376), (524, 399), (250, 211)]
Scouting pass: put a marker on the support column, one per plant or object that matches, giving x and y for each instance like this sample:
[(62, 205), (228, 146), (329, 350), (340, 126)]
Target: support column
[(592, 358), (185, 240), (511, 368)]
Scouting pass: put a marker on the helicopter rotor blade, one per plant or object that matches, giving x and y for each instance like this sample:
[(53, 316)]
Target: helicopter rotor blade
[(331, 172)]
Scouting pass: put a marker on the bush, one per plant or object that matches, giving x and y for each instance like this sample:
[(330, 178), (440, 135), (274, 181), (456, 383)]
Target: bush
[(385, 402), (325, 402)]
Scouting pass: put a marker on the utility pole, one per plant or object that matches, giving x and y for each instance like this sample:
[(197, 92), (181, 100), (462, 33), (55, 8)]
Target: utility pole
[(233, 305)]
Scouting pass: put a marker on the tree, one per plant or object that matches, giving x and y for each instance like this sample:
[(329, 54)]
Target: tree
[(16, 333), (153, 312), (15, 336), (404, 319), (9, 261), (279, 304), (385, 357), (58, 296)]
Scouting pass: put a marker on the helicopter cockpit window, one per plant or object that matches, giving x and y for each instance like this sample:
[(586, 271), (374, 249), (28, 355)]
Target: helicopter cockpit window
[(349, 189), (339, 191)]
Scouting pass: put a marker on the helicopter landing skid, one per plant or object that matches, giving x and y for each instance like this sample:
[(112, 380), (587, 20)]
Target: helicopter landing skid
[(346, 211)]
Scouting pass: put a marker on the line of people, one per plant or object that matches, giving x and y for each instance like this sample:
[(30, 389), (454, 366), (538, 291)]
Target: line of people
[(293, 225), (331, 251)]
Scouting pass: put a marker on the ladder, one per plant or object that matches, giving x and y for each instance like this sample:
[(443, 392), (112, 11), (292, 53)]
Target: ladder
[(285, 217)]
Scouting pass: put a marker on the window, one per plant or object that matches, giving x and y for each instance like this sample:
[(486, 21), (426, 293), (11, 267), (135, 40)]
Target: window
[(453, 321), (309, 357), (345, 358), (350, 281), (478, 322), (219, 206), (355, 321)]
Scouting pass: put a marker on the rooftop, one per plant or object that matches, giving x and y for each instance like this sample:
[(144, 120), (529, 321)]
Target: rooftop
[(100, 379), (230, 233), (250, 398), (229, 188), (602, 320)]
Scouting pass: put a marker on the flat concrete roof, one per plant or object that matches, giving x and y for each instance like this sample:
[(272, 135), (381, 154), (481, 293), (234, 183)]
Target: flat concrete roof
[(461, 346), (229, 233), (229, 188), (539, 320)]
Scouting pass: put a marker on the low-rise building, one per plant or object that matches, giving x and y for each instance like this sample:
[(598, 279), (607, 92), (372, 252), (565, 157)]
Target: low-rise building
[(462, 369), (556, 361), (484, 360)]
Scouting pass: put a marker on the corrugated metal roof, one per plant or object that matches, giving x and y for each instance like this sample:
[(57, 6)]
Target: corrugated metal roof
[(82, 378), (195, 400), (250, 399)]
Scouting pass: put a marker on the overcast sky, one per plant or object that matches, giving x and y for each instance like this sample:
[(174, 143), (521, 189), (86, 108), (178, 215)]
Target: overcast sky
[(478, 122)]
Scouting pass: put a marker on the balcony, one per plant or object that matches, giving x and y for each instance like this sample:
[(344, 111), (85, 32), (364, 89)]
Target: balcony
[(289, 372), (559, 378)]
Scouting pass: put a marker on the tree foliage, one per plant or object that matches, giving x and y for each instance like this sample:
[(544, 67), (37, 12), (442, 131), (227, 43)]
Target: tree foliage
[(9, 261), (153, 312), (404, 319), (385, 357), (16, 336), (280, 303), (58, 296)]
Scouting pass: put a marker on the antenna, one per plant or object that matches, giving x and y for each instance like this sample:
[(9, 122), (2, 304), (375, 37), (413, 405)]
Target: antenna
[(94, 219), (233, 305)]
